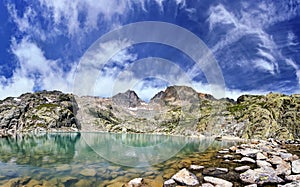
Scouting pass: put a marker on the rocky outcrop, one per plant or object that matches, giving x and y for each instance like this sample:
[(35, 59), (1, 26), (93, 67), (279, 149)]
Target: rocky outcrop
[(38, 111)]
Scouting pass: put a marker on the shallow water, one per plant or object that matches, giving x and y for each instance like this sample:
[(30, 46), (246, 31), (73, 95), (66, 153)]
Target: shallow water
[(97, 159)]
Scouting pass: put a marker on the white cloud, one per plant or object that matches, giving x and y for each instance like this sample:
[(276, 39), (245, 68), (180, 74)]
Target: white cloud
[(16, 86), (264, 65), (66, 12), (296, 68), (34, 70), (26, 23), (251, 22), (292, 39)]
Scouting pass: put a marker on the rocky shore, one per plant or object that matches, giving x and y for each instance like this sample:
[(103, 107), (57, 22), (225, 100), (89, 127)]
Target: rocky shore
[(259, 163)]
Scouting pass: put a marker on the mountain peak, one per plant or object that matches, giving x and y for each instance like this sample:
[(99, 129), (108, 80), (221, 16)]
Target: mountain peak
[(128, 99)]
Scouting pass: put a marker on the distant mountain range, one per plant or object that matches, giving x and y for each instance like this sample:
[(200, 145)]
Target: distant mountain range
[(178, 110)]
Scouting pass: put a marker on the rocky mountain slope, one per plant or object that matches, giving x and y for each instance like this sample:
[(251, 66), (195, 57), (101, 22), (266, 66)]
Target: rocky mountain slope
[(178, 110), (38, 112)]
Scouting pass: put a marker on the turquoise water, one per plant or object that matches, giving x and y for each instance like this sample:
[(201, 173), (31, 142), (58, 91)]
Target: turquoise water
[(60, 157)]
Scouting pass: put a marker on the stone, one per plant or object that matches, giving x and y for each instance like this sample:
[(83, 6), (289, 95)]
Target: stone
[(116, 184), (260, 176), (186, 178), (242, 168), (248, 152), (170, 183), (285, 156), (228, 157), (251, 185), (156, 182), (207, 185), (184, 163), (88, 172), (63, 167), (137, 182), (275, 160), (68, 180), (296, 166), (233, 148), (222, 169), (293, 177), (34, 182), (217, 181), (83, 182), (260, 156), (293, 158), (239, 161), (262, 163), (283, 168), (223, 151), (292, 184), (168, 173), (196, 167), (47, 184), (247, 159), (18, 182), (213, 171)]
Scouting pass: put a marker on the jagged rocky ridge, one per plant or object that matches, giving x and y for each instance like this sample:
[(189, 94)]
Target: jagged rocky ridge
[(178, 110)]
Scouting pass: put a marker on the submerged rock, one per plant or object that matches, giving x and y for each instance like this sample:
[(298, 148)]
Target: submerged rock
[(88, 172)]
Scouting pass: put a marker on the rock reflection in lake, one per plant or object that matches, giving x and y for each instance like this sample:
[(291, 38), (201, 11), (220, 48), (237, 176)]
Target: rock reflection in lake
[(39, 150)]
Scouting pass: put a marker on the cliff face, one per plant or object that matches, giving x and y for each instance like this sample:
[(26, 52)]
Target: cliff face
[(177, 110), (38, 112)]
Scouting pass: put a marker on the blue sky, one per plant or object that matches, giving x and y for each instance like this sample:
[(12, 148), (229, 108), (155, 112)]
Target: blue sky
[(255, 43)]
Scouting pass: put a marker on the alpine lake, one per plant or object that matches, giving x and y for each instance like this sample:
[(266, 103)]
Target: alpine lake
[(105, 159)]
